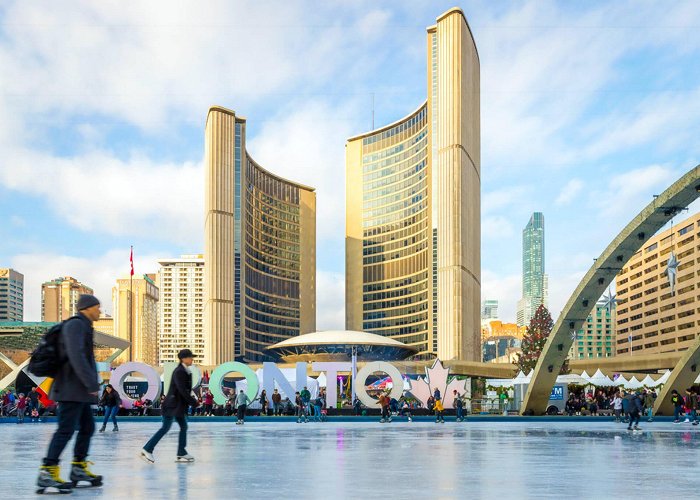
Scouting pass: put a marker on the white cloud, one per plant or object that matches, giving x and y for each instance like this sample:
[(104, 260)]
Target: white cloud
[(569, 192), (496, 227), (100, 273), (99, 193), (507, 289)]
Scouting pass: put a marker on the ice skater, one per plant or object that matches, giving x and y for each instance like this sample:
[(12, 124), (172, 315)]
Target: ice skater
[(439, 411), (459, 406), (635, 411), (175, 408), (301, 409), (75, 388), (242, 402), (111, 403), (384, 404)]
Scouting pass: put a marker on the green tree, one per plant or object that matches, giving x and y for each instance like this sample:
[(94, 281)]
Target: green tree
[(535, 338)]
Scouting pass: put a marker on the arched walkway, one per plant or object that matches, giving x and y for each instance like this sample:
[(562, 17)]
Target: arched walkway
[(652, 218)]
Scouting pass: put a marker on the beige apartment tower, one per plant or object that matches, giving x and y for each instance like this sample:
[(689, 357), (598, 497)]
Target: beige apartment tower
[(181, 305), (650, 317), (413, 255), (59, 298), (259, 249), (143, 333)]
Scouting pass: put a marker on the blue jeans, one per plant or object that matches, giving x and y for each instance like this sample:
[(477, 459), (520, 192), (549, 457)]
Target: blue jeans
[(110, 412), (317, 412), (182, 439), (677, 412), (460, 413)]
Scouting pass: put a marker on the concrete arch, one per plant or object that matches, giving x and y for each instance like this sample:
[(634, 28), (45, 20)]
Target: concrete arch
[(682, 377), (652, 218)]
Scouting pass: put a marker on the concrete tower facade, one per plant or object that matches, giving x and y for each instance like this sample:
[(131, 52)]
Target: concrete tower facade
[(260, 249), (413, 244)]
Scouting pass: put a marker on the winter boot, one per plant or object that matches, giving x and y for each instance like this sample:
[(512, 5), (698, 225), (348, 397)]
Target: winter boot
[(80, 473), (50, 478)]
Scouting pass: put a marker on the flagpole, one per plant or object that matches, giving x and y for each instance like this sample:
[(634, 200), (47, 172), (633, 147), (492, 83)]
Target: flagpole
[(130, 305)]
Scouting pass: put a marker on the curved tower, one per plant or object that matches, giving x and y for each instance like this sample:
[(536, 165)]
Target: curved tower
[(413, 255), (260, 249)]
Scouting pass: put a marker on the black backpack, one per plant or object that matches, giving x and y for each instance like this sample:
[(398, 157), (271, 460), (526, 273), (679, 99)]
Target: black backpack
[(46, 359)]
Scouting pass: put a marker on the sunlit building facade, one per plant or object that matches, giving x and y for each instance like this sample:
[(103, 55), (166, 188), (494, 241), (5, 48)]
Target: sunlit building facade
[(260, 249), (413, 254)]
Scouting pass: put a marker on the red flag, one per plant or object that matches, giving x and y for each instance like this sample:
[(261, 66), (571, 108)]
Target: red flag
[(131, 259)]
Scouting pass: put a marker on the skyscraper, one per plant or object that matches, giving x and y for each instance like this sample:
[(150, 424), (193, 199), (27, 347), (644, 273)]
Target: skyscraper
[(534, 279), (260, 249), (413, 254), (489, 310), (181, 306), (59, 298), (143, 333), (11, 295)]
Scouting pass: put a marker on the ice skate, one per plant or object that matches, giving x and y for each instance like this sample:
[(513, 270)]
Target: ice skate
[(50, 479), (103, 428), (637, 428), (185, 459), (116, 428), (81, 474), (382, 421), (148, 456)]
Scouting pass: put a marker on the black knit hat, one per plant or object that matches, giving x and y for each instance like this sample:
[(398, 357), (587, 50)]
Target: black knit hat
[(185, 353), (86, 301)]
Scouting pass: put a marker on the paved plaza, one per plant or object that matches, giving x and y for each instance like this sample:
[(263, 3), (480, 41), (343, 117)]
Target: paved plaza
[(370, 460)]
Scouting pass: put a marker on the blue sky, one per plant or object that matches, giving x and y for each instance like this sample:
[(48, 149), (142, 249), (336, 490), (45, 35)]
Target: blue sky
[(587, 110)]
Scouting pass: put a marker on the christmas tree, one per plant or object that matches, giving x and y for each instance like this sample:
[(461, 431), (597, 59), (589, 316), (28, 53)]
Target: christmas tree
[(534, 340)]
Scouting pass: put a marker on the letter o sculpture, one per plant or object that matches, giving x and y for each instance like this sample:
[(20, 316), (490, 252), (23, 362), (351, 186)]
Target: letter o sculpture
[(377, 366), (217, 376), (119, 374)]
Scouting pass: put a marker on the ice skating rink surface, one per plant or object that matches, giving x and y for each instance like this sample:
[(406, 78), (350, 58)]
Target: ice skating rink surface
[(397, 460)]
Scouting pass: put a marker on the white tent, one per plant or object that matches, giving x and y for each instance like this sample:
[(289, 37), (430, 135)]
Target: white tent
[(572, 378), (520, 378), (600, 380), (322, 380), (586, 375), (501, 382), (648, 381), (620, 381), (633, 384), (528, 377)]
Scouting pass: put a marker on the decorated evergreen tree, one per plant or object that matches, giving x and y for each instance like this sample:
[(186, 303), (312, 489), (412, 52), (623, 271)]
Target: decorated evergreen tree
[(535, 338)]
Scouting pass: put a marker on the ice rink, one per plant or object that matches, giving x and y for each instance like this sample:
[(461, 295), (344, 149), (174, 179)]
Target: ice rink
[(337, 460)]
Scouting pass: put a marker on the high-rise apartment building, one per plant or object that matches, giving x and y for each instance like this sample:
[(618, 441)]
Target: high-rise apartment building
[(181, 305), (260, 249), (652, 317), (413, 242), (59, 298), (489, 309), (535, 282), (142, 295), (11, 295), (597, 337)]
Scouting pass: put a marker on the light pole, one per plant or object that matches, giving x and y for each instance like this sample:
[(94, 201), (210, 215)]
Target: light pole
[(354, 371)]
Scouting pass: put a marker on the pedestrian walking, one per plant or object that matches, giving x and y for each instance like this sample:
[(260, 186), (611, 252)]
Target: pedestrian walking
[(678, 402), (276, 401), (75, 389), (175, 408), (635, 411), (111, 402), (242, 402)]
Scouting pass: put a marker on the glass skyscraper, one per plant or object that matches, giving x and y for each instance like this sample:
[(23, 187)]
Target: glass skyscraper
[(534, 278)]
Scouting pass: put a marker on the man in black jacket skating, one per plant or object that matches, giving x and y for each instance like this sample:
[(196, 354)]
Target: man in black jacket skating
[(174, 407), (75, 388)]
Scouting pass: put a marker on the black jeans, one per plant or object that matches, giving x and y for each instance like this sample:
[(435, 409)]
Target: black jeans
[(71, 416), (241, 412), (167, 423), (634, 418)]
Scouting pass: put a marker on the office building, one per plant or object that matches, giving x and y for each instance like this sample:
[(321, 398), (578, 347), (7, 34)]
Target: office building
[(260, 249), (597, 337), (413, 247), (535, 282), (11, 295), (141, 295), (59, 298)]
